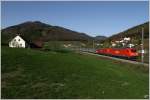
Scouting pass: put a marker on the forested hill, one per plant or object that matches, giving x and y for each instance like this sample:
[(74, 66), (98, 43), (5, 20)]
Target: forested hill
[(134, 32), (40, 32)]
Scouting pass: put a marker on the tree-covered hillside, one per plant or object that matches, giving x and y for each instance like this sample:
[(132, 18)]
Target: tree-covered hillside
[(38, 32), (135, 33)]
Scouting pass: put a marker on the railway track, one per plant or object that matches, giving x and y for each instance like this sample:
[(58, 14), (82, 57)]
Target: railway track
[(114, 58)]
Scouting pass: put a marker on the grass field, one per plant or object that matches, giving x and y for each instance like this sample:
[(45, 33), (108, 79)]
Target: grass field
[(30, 73)]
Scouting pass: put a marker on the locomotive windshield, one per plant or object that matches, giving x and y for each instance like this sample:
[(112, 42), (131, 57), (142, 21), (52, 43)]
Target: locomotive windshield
[(133, 50)]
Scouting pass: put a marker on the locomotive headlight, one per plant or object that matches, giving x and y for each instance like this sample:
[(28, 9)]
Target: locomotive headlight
[(137, 54), (134, 54)]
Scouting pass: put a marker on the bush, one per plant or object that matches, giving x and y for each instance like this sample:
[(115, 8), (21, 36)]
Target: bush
[(55, 46)]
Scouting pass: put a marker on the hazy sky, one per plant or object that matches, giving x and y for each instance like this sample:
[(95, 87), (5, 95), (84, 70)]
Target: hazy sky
[(94, 18)]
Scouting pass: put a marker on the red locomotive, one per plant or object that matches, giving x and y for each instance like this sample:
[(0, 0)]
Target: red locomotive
[(119, 52)]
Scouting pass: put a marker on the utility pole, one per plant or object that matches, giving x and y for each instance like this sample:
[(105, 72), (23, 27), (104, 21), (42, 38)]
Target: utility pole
[(93, 44), (142, 46)]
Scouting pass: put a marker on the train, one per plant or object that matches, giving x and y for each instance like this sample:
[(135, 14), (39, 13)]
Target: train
[(129, 53)]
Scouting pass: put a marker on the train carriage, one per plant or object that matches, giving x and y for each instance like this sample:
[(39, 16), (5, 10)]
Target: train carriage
[(119, 52)]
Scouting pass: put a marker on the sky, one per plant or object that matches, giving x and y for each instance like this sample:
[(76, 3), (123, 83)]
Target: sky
[(90, 17)]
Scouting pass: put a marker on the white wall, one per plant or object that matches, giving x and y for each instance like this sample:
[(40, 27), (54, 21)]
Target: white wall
[(17, 42)]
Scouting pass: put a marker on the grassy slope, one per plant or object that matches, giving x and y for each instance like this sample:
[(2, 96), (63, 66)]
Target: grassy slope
[(35, 74)]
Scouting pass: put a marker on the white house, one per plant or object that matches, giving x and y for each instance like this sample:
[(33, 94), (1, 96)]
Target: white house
[(123, 44), (121, 41), (127, 38), (17, 42), (130, 45), (113, 44), (117, 41)]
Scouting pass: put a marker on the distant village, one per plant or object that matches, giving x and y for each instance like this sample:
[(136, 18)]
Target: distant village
[(19, 42), (124, 42)]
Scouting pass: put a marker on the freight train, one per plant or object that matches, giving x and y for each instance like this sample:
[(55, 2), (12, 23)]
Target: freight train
[(129, 53)]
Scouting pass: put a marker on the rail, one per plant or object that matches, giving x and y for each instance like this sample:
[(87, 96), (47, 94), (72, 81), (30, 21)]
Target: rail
[(91, 51)]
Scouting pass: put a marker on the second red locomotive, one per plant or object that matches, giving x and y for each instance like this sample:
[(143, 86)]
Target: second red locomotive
[(119, 52)]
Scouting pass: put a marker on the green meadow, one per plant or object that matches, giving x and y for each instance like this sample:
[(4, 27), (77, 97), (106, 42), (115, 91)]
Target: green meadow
[(27, 73)]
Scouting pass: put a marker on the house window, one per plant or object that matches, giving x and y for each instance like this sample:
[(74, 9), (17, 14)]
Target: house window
[(18, 39), (14, 39), (20, 44)]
